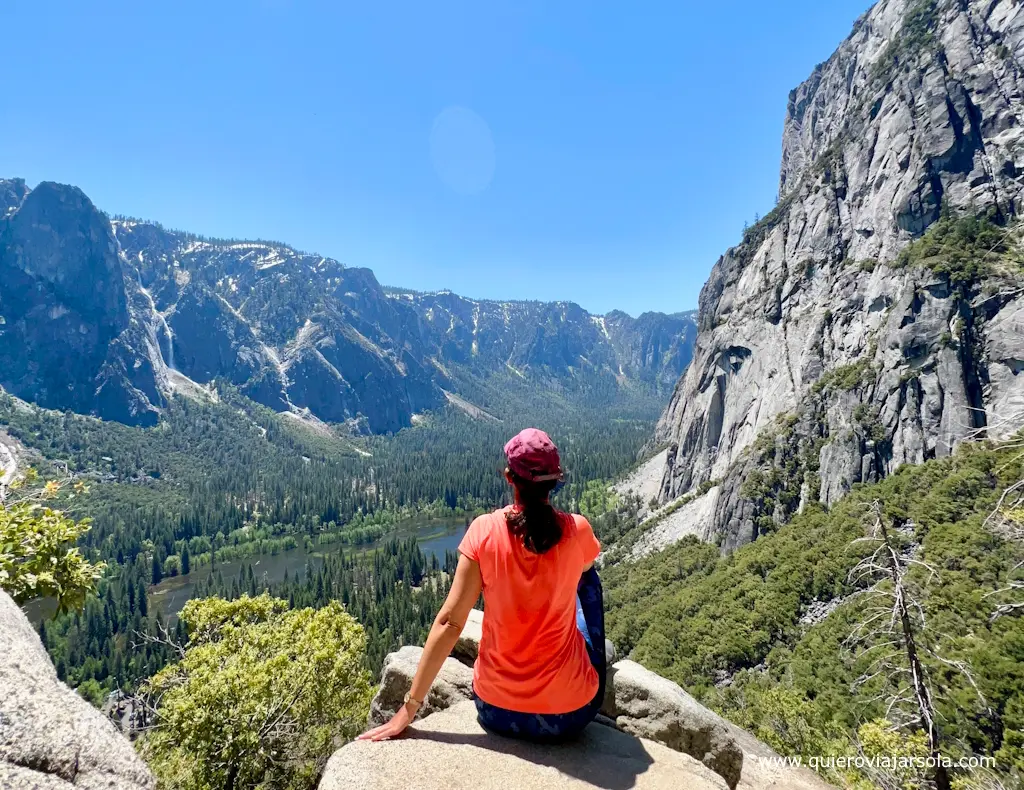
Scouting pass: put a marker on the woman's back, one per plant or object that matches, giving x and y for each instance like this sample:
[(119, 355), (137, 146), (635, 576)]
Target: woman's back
[(536, 676), (532, 656)]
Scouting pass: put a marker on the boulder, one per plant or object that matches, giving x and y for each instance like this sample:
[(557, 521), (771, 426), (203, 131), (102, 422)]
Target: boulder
[(14, 777), (650, 706), (468, 646), (637, 702), (49, 736), (454, 683), (647, 705), (451, 751)]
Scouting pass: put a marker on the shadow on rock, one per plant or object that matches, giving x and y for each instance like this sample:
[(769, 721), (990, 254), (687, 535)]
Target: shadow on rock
[(621, 757), (449, 750)]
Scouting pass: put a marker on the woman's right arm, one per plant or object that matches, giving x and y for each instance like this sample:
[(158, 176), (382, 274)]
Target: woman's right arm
[(448, 625), (445, 632)]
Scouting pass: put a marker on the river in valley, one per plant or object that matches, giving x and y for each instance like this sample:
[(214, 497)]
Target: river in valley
[(435, 538)]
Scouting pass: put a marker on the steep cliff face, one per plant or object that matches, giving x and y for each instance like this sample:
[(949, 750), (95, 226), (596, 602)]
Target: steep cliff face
[(68, 336), (555, 338), (653, 346), (298, 330), (825, 357), (289, 329)]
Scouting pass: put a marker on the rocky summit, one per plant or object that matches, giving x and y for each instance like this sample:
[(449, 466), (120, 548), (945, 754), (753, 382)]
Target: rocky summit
[(876, 316), (112, 317), (451, 751), (650, 734), (70, 334)]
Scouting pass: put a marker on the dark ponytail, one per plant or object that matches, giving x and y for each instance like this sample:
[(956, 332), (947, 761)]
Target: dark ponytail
[(534, 521)]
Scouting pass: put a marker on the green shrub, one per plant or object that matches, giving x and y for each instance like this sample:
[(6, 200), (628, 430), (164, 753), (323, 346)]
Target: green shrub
[(959, 249), (845, 377), (38, 557), (260, 697), (688, 613)]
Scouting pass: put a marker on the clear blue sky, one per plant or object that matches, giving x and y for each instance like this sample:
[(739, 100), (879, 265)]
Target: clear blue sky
[(603, 152)]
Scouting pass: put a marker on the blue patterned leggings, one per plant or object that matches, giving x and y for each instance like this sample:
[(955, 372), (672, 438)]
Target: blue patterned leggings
[(555, 727)]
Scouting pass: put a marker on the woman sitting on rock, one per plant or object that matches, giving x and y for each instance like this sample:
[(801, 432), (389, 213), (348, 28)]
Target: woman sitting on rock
[(540, 672)]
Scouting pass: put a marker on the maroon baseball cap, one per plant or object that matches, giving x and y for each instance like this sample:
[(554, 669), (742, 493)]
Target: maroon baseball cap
[(533, 456)]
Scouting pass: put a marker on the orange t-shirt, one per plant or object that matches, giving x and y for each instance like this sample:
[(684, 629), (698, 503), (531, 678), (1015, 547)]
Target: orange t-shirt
[(532, 658)]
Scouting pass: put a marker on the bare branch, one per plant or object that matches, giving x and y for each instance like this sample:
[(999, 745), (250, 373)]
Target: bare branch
[(896, 629), (163, 638)]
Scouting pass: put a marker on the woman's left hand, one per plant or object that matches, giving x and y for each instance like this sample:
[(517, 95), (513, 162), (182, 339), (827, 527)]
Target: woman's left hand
[(392, 729)]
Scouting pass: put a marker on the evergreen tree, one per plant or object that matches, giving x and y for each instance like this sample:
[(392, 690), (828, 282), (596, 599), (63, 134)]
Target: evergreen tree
[(140, 596)]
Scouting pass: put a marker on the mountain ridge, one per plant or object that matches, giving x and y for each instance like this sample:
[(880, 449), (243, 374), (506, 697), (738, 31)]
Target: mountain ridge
[(292, 330)]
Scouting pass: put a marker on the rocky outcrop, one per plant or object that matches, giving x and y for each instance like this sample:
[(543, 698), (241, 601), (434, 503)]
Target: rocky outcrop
[(638, 702), (812, 326), (12, 193), (555, 338), (653, 345), (207, 340), (454, 684), (451, 751), (644, 704), (49, 736), (647, 705), (468, 646)]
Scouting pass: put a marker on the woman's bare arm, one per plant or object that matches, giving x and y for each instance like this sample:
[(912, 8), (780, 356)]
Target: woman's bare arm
[(444, 633), (447, 625)]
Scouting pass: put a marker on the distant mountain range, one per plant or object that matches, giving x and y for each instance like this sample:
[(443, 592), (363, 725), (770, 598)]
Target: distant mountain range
[(109, 317)]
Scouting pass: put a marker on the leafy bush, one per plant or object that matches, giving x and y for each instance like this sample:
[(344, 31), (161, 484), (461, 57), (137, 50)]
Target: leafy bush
[(845, 377), (597, 499), (960, 249), (38, 557), (259, 697), (783, 717), (881, 741), (727, 614), (869, 422)]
